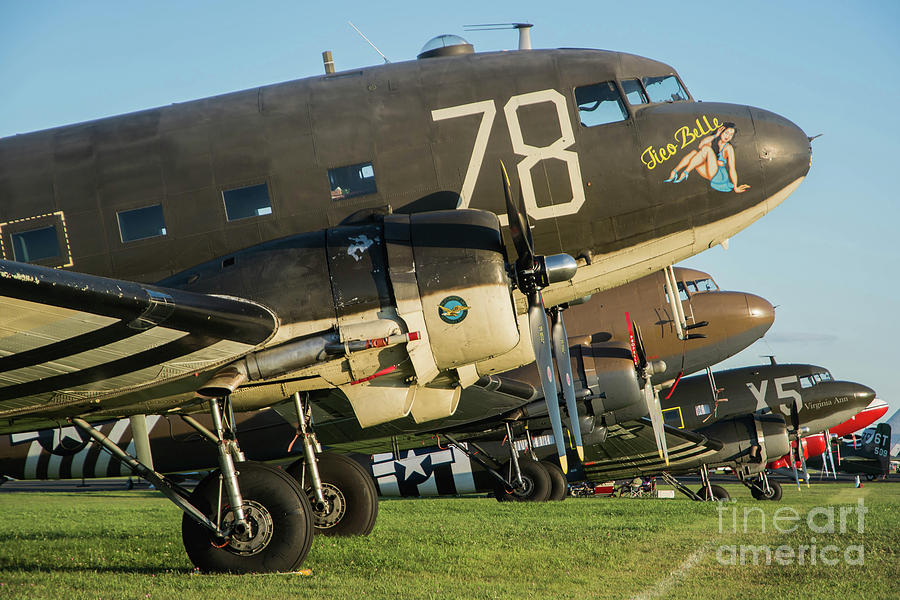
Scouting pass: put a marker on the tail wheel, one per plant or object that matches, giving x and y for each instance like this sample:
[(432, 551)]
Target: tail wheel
[(559, 487), (351, 500), (277, 511), (536, 484), (719, 493)]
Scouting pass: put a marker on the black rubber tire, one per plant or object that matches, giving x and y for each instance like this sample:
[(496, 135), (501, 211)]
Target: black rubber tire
[(559, 487), (719, 493), (537, 484), (350, 493), (775, 488), (261, 486)]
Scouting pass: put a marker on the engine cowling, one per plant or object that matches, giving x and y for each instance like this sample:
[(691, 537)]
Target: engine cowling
[(439, 276), (750, 441)]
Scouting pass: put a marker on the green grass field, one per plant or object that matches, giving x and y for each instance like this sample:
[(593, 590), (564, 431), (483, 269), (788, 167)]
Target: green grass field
[(128, 545)]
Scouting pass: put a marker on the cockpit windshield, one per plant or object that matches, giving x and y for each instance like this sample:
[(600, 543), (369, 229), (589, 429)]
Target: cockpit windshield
[(664, 89), (701, 285), (807, 381)]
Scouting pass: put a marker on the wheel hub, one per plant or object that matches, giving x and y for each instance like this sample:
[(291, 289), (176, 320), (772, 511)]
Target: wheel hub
[(334, 510), (258, 533)]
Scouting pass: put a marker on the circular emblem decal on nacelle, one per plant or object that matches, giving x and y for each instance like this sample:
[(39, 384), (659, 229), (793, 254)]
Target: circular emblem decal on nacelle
[(453, 309)]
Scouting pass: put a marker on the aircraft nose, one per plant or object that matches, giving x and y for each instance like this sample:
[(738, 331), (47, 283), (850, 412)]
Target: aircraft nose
[(863, 394), (760, 310), (785, 151)]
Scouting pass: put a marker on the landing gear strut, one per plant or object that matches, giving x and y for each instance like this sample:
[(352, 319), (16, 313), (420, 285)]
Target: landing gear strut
[(243, 517), (342, 494), (763, 489)]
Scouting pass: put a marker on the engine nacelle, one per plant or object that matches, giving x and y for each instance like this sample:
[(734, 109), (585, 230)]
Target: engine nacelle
[(439, 275), (609, 372), (749, 441)]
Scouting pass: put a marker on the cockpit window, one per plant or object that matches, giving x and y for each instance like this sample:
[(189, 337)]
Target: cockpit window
[(814, 378), (600, 103), (702, 285), (634, 92), (664, 89)]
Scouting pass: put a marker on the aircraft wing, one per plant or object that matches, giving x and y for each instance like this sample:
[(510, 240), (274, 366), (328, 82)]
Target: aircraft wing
[(72, 343), (630, 451)]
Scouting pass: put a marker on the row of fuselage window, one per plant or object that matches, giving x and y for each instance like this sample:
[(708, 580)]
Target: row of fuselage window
[(42, 244)]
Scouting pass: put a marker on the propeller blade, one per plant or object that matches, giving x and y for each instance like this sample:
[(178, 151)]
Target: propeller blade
[(830, 454), (634, 354), (540, 341), (564, 365), (795, 419), (639, 345), (518, 225), (651, 397), (794, 466), (651, 400), (802, 454)]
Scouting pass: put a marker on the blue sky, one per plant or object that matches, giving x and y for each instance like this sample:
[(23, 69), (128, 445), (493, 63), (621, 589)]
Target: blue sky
[(828, 257)]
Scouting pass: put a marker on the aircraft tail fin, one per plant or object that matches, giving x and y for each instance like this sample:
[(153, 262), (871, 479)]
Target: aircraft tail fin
[(879, 446)]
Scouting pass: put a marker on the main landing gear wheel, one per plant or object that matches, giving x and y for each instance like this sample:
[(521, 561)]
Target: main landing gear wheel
[(719, 493), (536, 484), (278, 514), (351, 500), (774, 492), (559, 487)]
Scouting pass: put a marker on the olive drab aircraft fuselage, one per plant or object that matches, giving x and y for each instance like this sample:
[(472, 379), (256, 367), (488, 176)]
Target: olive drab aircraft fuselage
[(246, 197)]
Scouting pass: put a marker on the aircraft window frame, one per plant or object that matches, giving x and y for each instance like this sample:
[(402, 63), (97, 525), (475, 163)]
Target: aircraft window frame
[(20, 243), (24, 225), (640, 91), (673, 417), (245, 197), (650, 91), (807, 381), (141, 213), (612, 87), (338, 181), (682, 293)]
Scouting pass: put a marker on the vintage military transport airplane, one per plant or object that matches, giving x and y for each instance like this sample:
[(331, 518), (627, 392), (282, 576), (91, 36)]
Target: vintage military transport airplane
[(339, 232)]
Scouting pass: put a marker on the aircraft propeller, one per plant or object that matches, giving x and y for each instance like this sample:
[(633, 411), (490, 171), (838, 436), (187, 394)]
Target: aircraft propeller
[(646, 369), (830, 454), (796, 435), (564, 365), (534, 273)]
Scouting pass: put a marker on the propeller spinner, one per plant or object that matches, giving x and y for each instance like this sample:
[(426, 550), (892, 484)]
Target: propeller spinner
[(534, 273)]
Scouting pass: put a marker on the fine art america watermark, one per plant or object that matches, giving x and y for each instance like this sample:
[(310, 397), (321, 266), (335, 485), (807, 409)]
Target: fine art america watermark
[(821, 520)]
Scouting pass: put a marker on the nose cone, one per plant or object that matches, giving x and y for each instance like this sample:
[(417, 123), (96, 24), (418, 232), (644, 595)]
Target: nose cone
[(761, 312), (736, 320), (784, 149)]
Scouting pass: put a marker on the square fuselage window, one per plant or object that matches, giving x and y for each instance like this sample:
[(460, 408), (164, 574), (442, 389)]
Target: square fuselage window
[(599, 104), (246, 202), (36, 244), (142, 223), (352, 180)]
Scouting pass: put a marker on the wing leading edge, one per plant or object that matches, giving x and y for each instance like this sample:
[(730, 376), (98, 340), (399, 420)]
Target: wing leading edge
[(72, 343)]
